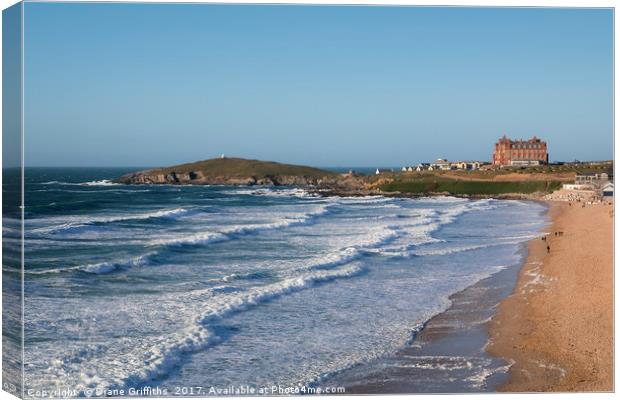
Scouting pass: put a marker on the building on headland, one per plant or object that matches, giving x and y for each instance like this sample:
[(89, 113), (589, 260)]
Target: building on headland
[(591, 178), (422, 167), (588, 187), (442, 164), (520, 153), (467, 165)]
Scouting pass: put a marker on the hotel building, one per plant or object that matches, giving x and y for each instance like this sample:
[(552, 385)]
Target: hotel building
[(520, 152)]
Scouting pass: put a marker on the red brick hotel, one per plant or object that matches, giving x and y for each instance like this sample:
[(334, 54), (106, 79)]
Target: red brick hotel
[(520, 152)]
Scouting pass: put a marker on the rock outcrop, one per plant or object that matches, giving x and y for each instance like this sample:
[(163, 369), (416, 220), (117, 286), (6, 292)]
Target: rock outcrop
[(199, 178)]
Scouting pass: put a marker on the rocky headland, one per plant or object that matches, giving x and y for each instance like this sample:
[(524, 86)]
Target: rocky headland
[(243, 172)]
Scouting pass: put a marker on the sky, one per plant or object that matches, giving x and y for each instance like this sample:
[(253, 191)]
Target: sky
[(114, 84)]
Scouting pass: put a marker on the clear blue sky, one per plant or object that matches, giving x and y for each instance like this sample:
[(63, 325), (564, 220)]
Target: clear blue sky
[(155, 84)]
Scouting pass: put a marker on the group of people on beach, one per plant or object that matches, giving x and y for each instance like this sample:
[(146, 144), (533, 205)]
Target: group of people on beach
[(557, 233)]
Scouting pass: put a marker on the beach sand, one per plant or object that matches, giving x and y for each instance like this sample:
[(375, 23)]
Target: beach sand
[(557, 326)]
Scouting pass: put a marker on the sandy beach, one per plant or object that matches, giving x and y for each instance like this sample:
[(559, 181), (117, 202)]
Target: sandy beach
[(557, 326)]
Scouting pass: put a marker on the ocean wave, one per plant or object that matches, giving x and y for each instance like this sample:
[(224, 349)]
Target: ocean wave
[(167, 352), (200, 238), (90, 192), (450, 250), (106, 267), (247, 275), (332, 260), (103, 182), (225, 234), (269, 192), (460, 249), (86, 221), (449, 215), (101, 267), (353, 200), (165, 355)]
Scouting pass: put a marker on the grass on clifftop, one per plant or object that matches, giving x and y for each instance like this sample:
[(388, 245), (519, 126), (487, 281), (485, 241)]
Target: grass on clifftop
[(240, 167), (470, 187)]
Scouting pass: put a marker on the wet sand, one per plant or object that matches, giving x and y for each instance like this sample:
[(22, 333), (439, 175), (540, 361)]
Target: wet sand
[(557, 326)]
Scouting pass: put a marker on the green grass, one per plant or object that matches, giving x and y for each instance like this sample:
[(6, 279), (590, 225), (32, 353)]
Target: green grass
[(239, 167), (559, 169), (470, 187)]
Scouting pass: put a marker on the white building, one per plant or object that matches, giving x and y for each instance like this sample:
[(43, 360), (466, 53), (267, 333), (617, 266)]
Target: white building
[(422, 167), (575, 186), (466, 165), (441, 164)]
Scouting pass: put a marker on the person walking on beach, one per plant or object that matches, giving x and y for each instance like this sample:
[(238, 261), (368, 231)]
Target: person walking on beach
[(548, 249)]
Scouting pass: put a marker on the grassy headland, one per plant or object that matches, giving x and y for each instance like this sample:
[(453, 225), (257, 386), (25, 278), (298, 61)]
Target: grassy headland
[(231, 171), (490, 182), (240, 167), (438, 184)]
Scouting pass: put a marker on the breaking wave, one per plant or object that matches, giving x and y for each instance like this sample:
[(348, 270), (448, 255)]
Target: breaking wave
[(167, 353), (225, 234), (86, 221), (103, 182)]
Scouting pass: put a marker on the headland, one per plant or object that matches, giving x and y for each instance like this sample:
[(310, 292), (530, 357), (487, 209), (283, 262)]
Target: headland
[(508, 183)]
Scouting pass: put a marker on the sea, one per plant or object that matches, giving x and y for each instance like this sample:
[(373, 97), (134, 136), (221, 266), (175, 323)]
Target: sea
[(187, 287)]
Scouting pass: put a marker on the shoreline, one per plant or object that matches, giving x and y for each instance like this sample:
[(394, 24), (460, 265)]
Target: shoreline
[(448, 353), (362, 193), (556, 327)]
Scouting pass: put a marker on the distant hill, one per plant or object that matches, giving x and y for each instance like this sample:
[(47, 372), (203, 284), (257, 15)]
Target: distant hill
[(233, 171)]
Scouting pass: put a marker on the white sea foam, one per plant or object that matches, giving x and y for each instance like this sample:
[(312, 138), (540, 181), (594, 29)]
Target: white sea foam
[(106, 267), (227, 233), (103, 182), (200, 238), (76, 222), (144, 365), (271, 192), (450, 250), (99, 268), (444, 363)]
